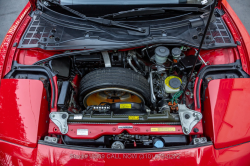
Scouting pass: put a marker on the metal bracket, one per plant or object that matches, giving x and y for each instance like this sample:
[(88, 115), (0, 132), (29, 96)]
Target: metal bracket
[(189, 118), (60, 119), (106, 58), (202, 60), (201, 140), (51, 139)]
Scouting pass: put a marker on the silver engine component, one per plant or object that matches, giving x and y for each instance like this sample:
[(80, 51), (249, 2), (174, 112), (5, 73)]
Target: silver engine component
[(117, 145), (106, 59), (60, 119), (189, 118)]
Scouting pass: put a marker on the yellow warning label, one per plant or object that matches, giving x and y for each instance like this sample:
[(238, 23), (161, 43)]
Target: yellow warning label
[(163, 129), (125, 106), (133, 118)]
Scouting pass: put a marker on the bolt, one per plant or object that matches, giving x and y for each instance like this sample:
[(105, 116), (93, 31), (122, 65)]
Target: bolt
[(196, 130), (54, 139), (194, 114), (187, 116), (198, 29), (64, 116), (185, 130), (114, 128), (195, 37)]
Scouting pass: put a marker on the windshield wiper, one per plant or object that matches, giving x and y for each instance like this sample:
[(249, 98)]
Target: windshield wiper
[(100, 20), (149, 11)]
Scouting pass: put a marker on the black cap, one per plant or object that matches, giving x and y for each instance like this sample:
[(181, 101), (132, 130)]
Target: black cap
[(176, 51), (175, 83), (162, 51)]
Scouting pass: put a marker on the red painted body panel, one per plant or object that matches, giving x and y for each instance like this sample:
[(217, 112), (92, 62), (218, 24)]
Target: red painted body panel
[(97, 130), (226, 113), (239, 33), (24, 108), (12, 154), (226, 109)]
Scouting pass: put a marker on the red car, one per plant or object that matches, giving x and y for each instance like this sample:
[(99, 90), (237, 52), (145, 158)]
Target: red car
[(162, 82)]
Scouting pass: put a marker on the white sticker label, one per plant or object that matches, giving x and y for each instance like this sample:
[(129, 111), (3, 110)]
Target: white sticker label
[(82, 132), (79, 116), (125, 127)]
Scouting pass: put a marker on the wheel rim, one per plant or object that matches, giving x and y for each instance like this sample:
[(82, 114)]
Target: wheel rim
[(111, 95)]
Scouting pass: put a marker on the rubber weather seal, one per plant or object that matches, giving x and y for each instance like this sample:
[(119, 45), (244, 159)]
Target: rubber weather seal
[(16, 67), (232, 67)]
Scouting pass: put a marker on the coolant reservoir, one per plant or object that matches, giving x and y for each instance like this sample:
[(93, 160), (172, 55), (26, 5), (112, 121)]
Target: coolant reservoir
[(172, 84)]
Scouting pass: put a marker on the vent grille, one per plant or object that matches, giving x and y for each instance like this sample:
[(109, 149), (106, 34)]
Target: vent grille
[(218, 34), (48, 34)]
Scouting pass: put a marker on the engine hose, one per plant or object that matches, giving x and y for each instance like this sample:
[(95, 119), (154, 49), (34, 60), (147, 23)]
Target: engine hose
[(176, 96), (137, 63)]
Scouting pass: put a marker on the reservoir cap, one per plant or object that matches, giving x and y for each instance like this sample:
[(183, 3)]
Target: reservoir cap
[(162, 51), (175, 83), (158, 143)]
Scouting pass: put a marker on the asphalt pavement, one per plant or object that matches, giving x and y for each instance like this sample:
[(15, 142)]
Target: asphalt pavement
[(10, 9)]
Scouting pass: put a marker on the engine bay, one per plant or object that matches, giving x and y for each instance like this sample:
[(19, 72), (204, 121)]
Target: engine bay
[(131, 98), (139, 86)]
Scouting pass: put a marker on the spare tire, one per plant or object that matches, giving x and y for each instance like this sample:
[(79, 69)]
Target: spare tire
[(114, 77)]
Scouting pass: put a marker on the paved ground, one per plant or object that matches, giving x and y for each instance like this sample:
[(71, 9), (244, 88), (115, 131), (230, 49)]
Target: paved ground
[(10, 9)]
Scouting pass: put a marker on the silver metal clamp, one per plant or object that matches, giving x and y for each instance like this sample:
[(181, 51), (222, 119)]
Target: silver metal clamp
[(60, 119), (189, 118)]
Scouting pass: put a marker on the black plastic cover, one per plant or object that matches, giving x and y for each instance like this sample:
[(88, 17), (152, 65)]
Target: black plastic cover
[(172, 140), (61, 67), (64, 96), (104, 140), (188, 62)]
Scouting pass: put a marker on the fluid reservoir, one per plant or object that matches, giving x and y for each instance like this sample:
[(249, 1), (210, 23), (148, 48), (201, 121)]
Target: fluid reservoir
[(176, 53), (161, 54), (172, 84)]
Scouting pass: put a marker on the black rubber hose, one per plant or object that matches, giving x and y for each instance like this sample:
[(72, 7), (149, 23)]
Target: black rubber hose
[(137, 63)]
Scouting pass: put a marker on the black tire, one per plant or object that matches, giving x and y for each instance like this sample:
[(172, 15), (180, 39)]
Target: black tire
[(114, 77)]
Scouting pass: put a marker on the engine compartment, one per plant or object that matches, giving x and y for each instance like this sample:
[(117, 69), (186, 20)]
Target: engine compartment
[(130, 98), (139, 86)]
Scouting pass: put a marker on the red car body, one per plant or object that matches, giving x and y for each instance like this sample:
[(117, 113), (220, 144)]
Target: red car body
[(23, 122)]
